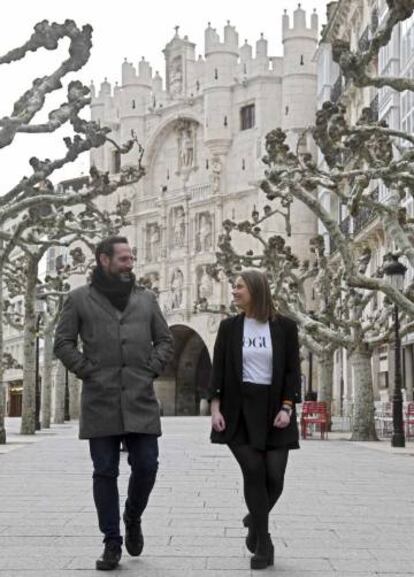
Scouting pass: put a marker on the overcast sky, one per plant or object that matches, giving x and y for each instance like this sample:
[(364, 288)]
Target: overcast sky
[(122, 28)]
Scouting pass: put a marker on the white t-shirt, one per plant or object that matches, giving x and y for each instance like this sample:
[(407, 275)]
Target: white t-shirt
[(257, 352)]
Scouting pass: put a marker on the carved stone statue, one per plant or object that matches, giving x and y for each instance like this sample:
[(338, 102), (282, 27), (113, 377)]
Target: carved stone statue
[(178, 227), (204, 233), (205, 284), (216, 168), (187, 149), (176, 288), (186, 142), (153, 242)]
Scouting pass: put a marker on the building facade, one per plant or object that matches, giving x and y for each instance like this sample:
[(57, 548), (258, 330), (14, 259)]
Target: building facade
[(203, 132), (357, 22)]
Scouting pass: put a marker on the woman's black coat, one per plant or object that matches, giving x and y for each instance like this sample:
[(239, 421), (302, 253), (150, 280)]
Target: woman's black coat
[(227, 375)]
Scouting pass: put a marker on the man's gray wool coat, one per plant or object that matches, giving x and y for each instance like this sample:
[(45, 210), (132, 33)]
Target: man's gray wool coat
[(122, 354)]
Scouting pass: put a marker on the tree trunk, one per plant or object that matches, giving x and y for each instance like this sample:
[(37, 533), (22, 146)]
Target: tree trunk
[(28, 425), (47, 378), (326, 368), (409, 371), (325, 385), (363, 425), (74, 391), (2, 389), (60, 381)]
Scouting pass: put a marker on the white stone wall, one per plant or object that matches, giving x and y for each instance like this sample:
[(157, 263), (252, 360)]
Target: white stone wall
[(218, 170)]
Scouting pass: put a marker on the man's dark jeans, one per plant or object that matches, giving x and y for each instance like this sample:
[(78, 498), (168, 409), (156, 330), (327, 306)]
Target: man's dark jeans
[(143, 460)]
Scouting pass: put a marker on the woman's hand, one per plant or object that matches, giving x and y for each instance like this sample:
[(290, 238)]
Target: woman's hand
[(217, 420), (282, 420)]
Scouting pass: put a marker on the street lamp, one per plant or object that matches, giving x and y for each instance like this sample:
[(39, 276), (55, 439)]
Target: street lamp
[(396, 271)]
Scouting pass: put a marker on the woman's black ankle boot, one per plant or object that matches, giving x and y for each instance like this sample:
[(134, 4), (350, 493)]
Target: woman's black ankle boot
[(251, 537), (264, 555)]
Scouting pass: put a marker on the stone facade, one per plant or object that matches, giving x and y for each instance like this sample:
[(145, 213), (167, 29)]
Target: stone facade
[(203, 135), (356, 22)]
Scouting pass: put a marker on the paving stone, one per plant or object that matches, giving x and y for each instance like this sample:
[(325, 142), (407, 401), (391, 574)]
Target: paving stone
[(347, 510)]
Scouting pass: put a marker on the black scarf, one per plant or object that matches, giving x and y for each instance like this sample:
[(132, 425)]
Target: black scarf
[(113, 288)]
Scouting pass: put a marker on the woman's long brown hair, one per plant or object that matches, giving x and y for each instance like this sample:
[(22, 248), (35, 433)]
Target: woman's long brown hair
[(261, 306)]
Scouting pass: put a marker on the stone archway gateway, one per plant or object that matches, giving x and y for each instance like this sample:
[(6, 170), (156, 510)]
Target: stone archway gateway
[(184, 382)]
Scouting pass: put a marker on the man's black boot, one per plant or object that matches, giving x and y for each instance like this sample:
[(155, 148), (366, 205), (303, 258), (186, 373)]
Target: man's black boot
[(134, 539), (251, 537), (110, 557)]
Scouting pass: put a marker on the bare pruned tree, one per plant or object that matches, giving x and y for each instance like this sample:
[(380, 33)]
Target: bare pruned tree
[(34, 198)]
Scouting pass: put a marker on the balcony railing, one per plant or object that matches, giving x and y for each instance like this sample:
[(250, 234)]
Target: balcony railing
[(366, 214), (361, 220)]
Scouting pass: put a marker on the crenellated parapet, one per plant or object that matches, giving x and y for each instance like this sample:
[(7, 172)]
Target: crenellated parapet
[(221, 84), (299, 26)]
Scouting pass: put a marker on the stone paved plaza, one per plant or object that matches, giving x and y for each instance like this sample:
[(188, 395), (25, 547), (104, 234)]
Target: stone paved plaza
[(347, 509)]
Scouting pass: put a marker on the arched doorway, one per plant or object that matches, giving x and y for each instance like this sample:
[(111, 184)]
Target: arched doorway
[(185, 380)]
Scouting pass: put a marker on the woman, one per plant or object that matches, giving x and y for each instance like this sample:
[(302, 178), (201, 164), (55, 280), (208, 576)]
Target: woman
[(253, 389)]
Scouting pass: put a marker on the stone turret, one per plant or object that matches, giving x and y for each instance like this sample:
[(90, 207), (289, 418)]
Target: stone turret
[(299, 89), (179, 56), (220, 70), (246, 52), (299, 83)]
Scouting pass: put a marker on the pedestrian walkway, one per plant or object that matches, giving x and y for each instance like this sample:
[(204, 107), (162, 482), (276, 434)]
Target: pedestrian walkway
[(347, 510)]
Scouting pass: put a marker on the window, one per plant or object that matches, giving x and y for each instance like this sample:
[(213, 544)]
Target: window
[(116, 161), (60, 262), (407, 40), (259, 148), (407, 109), (247, 117)]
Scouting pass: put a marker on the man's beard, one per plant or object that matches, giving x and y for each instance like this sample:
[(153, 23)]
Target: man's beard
[(125, 276), (122, 276)]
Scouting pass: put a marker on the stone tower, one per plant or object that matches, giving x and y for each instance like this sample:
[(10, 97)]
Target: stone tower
[(203, 133)]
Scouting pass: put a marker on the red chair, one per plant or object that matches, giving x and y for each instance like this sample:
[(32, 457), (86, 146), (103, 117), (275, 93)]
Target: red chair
[(314, 413), (409, 420)]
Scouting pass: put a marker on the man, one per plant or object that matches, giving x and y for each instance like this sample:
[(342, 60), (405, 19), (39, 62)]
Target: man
[(126, 344)]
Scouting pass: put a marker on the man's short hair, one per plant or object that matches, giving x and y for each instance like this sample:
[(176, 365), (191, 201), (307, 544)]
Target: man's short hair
[(106, 246)]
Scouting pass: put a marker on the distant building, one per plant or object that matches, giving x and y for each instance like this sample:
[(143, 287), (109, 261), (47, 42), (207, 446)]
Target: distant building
[(203, 134)]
